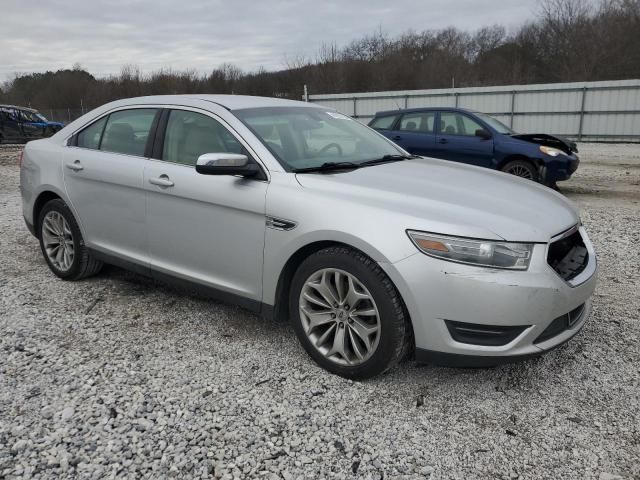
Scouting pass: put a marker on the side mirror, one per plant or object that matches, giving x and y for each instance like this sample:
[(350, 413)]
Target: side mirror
[(484, 134), (226, 164)]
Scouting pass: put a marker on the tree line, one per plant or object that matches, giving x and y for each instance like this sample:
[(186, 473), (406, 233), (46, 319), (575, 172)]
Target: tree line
[(567, 40)]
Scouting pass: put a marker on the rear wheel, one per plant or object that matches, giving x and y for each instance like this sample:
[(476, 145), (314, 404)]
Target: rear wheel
[(347, 314), (62, 244), (521, 168)]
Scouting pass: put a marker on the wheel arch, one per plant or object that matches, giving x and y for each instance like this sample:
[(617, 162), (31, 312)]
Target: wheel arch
[(281, 306), (41, 200), (519, 156)]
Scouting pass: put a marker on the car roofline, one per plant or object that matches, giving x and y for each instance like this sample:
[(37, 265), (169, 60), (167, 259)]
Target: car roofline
[(17, 107), (385, 113)]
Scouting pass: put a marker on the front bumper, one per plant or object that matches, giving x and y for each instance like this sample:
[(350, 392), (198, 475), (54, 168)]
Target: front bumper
[(560, 168), (435, 291)]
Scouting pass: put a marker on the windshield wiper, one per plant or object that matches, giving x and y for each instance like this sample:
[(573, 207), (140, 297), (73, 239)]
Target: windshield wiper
[(328, 167), (389, 158)]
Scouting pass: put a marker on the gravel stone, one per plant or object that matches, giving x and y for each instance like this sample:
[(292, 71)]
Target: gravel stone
[(67, 414), (152, 382)]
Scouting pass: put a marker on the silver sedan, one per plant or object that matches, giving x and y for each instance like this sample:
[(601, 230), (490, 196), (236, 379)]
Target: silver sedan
[(296, 211)]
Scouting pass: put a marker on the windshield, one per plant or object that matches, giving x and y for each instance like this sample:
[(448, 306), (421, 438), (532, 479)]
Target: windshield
[(497, 125), (307, 137), (40, 117)]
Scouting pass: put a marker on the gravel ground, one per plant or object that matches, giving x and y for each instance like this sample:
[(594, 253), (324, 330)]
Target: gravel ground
[(117, 376)]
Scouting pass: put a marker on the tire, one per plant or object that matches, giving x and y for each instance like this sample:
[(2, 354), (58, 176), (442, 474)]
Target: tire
[(76, 262), (521, 168), (381, 312)]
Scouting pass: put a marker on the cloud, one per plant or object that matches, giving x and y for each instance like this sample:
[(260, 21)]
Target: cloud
[(103, 35)]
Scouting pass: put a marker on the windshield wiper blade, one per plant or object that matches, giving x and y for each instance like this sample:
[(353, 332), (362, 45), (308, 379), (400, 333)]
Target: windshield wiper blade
[(328, 167), (389, 158)]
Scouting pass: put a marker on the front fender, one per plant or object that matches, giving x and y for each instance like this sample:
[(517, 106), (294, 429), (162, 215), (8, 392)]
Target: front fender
[(282, 245)]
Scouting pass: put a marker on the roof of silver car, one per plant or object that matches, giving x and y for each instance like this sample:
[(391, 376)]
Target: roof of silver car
[(231, 102)]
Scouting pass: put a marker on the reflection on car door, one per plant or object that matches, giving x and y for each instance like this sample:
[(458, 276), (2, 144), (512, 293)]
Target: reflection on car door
[(103, 175), (204, 228), (456, 140), (415, 133)]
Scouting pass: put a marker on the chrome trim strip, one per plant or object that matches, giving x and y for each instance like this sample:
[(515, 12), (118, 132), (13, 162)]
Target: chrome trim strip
[(279, 223)]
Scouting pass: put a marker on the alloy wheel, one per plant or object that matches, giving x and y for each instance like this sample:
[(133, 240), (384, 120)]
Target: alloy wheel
[(339, 316), (520, 171), (58, 240)]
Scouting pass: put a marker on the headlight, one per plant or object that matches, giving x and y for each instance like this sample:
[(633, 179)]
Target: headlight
[(554, 152), (483, 253)]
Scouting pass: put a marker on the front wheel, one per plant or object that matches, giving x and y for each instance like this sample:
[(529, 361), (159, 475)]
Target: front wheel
[(521, 168), (62, 244), (347, 314)]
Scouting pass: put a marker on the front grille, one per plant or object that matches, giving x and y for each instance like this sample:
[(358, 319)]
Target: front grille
[(568, 255), (560, 324), (488, 335)]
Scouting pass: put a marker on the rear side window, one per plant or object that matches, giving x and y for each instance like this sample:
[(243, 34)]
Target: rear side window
[(90, 136), (383, 123), (127, 131), (191, 134), (419, 122)]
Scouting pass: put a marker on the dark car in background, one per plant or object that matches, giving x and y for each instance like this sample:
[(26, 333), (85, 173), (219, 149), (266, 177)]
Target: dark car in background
[(475, 138), (21, 124)]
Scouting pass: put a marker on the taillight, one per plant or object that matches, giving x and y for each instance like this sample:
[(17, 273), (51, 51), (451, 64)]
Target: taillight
[(21, 157)]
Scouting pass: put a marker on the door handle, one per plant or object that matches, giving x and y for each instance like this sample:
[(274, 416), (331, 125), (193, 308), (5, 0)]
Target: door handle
[(443, 140), (75, 166), (397, 137), (161, 181)]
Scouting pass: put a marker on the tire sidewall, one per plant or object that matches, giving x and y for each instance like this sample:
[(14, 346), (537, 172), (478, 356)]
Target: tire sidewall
[(78, 244), (390, 334), (524, 163)]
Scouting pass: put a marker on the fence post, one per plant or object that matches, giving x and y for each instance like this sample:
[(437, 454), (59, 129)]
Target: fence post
[(584, 94), (456, 99), (355, 112), (513, 106), (69, 114), (306, 93)]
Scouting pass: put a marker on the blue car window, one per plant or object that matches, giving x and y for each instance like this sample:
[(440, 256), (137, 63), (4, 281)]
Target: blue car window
[(384, 123), (452, 123), (419, 122)]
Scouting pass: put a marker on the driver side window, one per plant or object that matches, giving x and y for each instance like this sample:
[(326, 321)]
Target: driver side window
[(190, 134), (452, 123)]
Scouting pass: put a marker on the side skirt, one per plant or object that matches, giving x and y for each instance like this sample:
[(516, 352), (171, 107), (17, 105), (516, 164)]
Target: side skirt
[(254, 306)]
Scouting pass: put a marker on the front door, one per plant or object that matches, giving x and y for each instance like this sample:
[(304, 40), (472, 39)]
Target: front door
[(456, 140), (204, 228), (103, 174)]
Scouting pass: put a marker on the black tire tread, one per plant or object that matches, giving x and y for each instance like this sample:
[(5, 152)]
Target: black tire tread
[(401, 321), (87, 265)]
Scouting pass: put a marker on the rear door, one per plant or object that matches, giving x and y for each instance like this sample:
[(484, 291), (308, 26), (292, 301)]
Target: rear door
[(415, 133), (103, 175), (204, 228), (456, 140)]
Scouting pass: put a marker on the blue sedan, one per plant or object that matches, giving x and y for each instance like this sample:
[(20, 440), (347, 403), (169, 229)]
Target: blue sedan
[(475, 138)]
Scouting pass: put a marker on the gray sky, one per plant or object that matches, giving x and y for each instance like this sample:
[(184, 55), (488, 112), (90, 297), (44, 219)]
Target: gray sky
[(103, 35)]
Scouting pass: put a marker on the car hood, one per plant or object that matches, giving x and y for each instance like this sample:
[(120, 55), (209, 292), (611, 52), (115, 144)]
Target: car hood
[(450, 198), (555, 141)]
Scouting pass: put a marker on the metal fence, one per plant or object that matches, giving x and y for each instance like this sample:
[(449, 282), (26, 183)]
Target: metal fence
[(588, 111), (64, 115)]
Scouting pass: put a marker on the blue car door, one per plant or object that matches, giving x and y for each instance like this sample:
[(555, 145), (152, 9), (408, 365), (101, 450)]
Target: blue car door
[(457, 140), (415, 133)]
